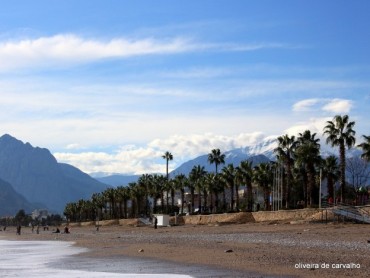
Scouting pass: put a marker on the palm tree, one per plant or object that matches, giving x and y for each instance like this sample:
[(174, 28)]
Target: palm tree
[(307, 155), (70, 211), (245, 177), (167, 187), (262, 175), (137, 194), (123, 195), (215, 187), (365, 146), (156, 191), (180, 182), (195, 177), (216, 157), (228, 175), (210, 186), (200, 187), (340, 133), (110, 197), (81, 207), (284, 152), (98, 203), (145, 182), (331, 173), (209, 189), (167, 156)]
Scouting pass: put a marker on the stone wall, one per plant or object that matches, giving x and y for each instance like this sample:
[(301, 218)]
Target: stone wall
[(220, 219), (245, 217), (284, 215), (241, 217)]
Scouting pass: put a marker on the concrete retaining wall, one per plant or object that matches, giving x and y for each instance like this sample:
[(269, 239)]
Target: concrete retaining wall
[(245, 217), (241, 217), (284, 215), (219, 219)]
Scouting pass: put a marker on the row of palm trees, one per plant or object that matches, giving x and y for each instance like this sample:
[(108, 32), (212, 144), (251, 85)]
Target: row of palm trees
[(299, 158), (154, 193)]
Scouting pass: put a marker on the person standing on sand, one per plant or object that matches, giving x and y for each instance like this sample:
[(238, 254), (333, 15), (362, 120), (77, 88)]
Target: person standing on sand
[(155, 222), (19, 230)]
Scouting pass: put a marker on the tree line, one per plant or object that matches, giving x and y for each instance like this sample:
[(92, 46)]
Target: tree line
[(298, 159)]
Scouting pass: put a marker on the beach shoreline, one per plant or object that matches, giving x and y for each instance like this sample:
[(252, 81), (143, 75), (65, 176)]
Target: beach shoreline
[(253, 249)]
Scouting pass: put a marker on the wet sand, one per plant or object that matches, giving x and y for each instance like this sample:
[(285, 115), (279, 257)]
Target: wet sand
[(254, 249)]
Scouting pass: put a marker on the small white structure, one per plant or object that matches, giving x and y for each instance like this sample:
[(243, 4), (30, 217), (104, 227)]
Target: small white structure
[(163, 219)]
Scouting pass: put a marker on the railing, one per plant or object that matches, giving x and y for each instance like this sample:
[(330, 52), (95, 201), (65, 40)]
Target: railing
[(358, 213), (352, 212)]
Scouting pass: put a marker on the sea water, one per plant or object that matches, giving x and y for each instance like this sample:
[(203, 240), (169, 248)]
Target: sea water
[(41, 259)]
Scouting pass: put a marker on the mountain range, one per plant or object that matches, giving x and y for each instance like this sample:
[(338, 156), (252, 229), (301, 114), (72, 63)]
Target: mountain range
[(36, 175), (31, 177), (258, 153), (11, 201), (262, 151)]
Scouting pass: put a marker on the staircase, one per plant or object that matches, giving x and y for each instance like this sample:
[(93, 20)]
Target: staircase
[(145, 221), (360, 214)]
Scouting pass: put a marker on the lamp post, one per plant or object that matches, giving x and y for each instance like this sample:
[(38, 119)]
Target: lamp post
[(320, 189)]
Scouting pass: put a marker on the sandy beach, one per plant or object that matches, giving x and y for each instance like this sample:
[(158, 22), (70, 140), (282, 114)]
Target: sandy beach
[(234, 250)]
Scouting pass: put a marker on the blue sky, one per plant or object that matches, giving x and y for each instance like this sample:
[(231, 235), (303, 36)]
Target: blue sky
[(109, 86)]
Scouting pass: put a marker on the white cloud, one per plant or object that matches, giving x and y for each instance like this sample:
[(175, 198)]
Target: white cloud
[(338, 106), (329, 105), (315, 125), (73, 146), (305, 105), (69, 48), (133, 159)]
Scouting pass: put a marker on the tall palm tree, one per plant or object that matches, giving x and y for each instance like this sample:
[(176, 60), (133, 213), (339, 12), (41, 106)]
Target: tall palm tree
[(123, 195), (307, 155), (215, 187), (340, 134), (157, 189), (81, 207), (167, 156), (167, 187), (262, 175), (200, 187), (245, 177), (228, 175), (70, 211), (216, 157), (209, 189), (98, 203), (284, 152), (196, 175), (110, 197), (180, 182), (145, 181), (365, 146), (137, 194), (331, 173)]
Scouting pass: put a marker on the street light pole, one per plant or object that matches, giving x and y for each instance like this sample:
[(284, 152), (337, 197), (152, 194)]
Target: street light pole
[(320, 189)]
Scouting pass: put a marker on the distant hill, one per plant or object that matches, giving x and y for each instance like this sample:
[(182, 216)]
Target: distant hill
[(11, 202), (117, 180), (261, 152), (234, 159), (36, 174)]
